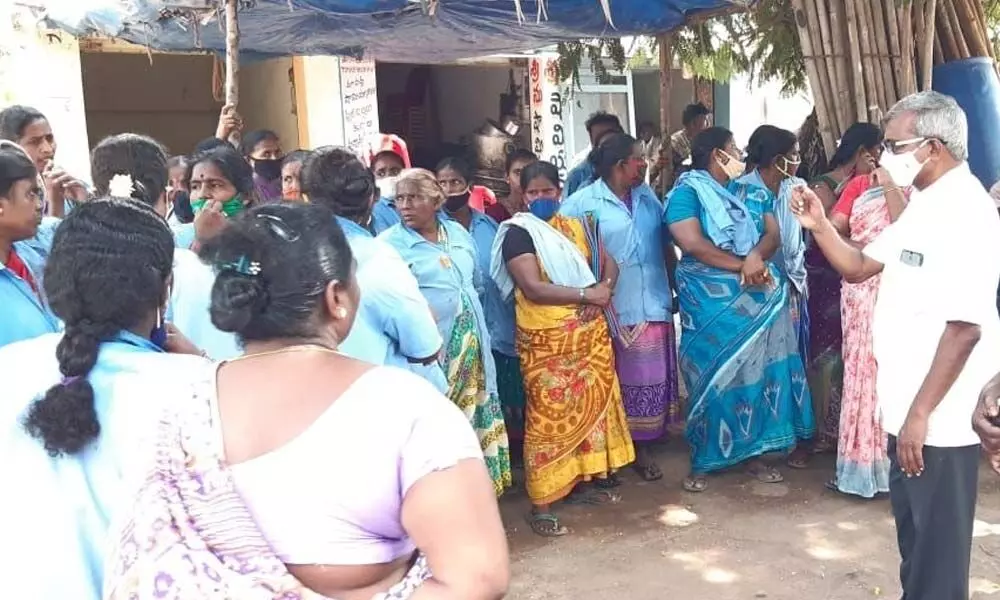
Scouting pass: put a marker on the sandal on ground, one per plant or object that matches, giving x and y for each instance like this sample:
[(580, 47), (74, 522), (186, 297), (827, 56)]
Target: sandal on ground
[(832, 486), (695, 484), (607, 483), (593, 497), (797, 460), (546, 525), (649, 471), (765, 474)]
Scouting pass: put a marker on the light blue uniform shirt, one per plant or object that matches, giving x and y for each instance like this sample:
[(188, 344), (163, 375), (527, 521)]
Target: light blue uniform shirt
[(578, 178), (190, 305), (635, 240), (394, 322), (444, 273), (499, 313), (184, 234), (63, 511), (23, 313), (384, 215)]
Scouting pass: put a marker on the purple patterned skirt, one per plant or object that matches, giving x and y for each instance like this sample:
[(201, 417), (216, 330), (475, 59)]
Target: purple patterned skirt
[(646, 361)]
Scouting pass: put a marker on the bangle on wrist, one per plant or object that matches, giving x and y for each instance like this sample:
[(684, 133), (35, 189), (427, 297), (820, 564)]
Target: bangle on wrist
[(583, 295)]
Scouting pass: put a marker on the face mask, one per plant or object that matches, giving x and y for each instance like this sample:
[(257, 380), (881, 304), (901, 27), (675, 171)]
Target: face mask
[(182, 206), (903, 168), (268, 169), (453, 203), (544, 208), (387, 186), (734, 168), (791, 166), (158, 336), (230, 208)]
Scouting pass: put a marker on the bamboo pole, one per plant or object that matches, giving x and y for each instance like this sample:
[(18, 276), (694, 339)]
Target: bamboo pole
[(884, 51), (984, 27), (879, 71), (666, 47), (841, 59), (815, 82), (972, 31), (816, 9), (895, 51), (927, 48), (232, 61), (873, 83), (907, 49), (857, 68), (818, 52), (956, 27), (949, 45)]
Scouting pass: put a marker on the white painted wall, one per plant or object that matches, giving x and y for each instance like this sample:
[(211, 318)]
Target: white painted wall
[(42, 70)]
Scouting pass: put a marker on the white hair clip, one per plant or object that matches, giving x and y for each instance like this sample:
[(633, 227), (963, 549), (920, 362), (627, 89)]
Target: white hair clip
[(121, 186)]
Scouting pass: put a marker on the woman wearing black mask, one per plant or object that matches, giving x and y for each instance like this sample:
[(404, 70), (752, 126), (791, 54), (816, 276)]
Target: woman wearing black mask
[(262, 149)]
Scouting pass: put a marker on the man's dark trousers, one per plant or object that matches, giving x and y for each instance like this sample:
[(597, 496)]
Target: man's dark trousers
[(934, 518)]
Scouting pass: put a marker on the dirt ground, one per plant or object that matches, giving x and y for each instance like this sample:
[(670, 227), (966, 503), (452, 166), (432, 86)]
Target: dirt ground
[(738, 540)]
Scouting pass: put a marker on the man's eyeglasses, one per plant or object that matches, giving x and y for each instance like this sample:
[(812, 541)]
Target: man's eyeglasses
[(897, 146)]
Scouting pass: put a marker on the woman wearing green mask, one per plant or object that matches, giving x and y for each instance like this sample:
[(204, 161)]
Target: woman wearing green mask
[(221, 180)]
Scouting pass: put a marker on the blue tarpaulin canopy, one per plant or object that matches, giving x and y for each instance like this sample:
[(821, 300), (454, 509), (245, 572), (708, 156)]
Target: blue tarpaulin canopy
[(386, 30)]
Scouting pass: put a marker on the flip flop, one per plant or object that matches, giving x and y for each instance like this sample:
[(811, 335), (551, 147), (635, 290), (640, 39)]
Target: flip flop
[(832, 486), (649, 471), (546, 525), (607, 483), (597, 497), (695, 484), (798, 464), (765, 474)]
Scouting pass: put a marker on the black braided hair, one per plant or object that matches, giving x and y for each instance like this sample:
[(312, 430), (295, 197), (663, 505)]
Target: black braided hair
[(274, 263), (107, 272), (337, 179), (138, 156)]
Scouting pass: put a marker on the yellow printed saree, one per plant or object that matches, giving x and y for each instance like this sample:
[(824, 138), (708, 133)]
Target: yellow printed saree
[(575, 423)]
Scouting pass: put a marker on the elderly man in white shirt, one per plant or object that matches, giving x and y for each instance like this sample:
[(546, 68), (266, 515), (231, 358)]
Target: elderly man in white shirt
[(936, 334)]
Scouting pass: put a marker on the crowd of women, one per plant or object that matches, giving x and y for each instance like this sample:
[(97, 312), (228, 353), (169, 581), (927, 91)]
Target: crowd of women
[(304, 373)]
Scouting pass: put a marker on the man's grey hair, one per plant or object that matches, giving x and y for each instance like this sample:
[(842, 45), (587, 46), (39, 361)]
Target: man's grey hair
[(937, 116)]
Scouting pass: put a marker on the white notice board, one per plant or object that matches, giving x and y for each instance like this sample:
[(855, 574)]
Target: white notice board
[(359, 98)]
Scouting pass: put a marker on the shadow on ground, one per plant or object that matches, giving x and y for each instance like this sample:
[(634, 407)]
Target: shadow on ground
[(738, 540)]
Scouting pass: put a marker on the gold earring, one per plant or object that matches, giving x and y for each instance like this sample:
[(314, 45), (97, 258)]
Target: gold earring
[(340, 312)]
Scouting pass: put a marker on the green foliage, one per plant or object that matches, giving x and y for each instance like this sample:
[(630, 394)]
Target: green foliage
[(762, 42), (596, 52)]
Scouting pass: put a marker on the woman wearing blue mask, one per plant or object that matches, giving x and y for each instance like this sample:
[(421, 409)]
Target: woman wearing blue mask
[(455, 174), (575, 424), (443, 257), (629, 220), (739, 354), (73, 430)]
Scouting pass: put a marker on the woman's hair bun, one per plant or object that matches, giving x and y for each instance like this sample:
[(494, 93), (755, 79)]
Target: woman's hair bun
[(236, 300)]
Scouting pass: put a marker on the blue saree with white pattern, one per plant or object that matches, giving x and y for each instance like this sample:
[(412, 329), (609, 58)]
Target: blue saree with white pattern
[(739, 356)]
